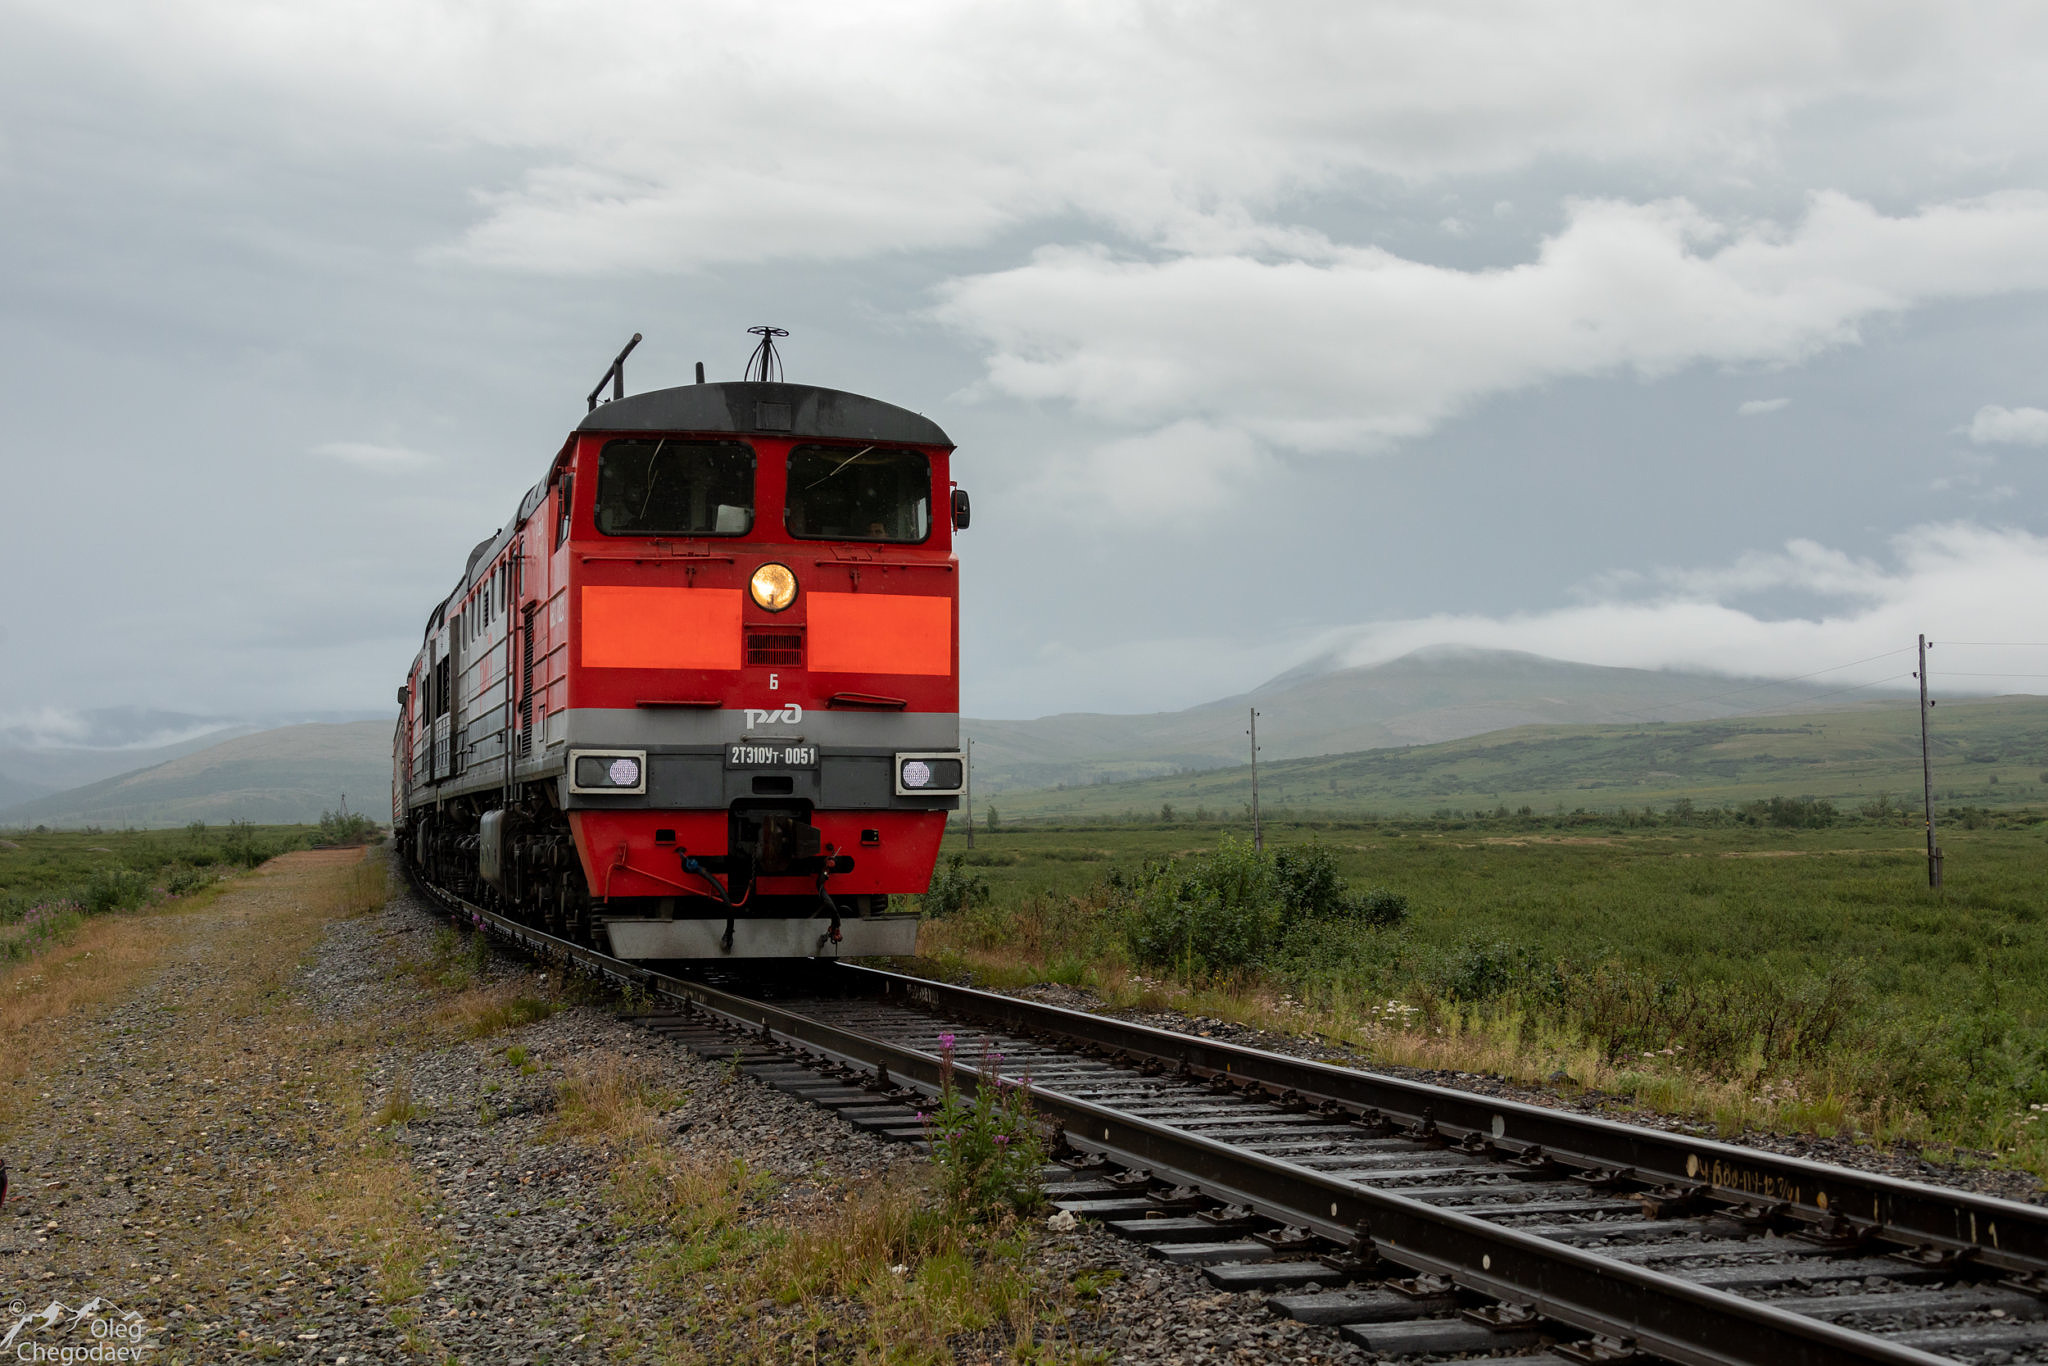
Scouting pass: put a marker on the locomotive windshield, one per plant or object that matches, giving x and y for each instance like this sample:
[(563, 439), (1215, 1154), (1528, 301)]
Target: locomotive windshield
[(664, 487), (859, 494)]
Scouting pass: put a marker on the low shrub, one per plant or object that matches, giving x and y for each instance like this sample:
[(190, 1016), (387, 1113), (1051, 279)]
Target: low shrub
[(1380, 907), (115, 889), (1205, 916), (1233, 910), (953, 888), (182, 881), (345, 829)]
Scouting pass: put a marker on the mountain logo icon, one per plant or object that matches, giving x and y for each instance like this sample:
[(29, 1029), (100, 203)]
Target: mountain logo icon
[(100, 1317)]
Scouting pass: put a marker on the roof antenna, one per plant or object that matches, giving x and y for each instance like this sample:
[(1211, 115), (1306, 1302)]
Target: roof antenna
[(616, 375), (764, 366)]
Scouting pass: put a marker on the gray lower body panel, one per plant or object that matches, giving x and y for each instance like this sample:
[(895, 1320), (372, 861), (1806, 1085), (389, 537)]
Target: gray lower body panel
[(778, 937), (686, 766)]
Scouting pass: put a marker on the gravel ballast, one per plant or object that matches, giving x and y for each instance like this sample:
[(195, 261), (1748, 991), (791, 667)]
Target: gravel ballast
[(191, 1123)]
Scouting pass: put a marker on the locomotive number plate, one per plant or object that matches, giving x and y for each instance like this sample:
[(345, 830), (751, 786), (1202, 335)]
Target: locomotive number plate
[(771, 756)]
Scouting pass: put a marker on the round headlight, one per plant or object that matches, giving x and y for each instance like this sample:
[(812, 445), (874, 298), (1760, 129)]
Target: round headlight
[(625, 772), (773, 586), (917, 773)]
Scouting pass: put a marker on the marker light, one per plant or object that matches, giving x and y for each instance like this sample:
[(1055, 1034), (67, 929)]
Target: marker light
[(773, 586), (930, 774), (608, 771)]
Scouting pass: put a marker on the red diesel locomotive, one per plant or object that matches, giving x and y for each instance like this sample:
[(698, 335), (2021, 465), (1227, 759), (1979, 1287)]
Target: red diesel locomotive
[(700, 698)]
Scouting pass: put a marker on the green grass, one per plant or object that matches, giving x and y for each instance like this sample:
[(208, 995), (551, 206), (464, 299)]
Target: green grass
[(1777, 976), (51, 879), (1992, 753)]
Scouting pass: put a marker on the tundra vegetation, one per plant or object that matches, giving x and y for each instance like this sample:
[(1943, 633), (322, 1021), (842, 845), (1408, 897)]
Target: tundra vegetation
[(53, 881), (1778, 965)]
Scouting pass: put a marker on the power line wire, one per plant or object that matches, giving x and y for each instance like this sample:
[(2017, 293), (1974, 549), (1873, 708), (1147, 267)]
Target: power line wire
[(1959, 673), (1854, 687)]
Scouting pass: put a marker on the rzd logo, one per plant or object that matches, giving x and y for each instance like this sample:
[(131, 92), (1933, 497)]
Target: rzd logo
[(792, 713)]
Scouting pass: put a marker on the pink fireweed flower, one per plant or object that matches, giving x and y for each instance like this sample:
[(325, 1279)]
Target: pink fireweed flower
[(945, 1043), (1002, 1140)]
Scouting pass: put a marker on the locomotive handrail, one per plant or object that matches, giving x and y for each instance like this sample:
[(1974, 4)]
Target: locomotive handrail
[(615, 375)]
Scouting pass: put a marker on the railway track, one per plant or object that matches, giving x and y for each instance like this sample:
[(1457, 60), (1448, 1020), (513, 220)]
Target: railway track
[(1418, 1221)]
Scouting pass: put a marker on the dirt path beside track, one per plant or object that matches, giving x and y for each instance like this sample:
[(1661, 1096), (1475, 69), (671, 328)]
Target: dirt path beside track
[(289, 1121)]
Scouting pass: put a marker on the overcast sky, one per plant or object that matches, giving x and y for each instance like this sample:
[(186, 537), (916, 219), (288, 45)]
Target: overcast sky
[(1661, 335)]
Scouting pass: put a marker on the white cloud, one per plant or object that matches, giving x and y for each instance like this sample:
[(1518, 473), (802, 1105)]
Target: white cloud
[(1955, 580), (1361, 348), (1757, 407), (372, 456), (59, 727), (2009, 426), (1181, 470), (668, 137)]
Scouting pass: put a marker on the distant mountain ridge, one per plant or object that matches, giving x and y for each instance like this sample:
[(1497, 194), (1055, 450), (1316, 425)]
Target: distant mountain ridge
[(284, 776), (1985, 751), (1323, 707), (55, 751), (50, 752)]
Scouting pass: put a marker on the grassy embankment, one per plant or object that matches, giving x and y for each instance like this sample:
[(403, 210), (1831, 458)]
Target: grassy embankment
[(52, 881), (1986, 753), (754, 1267), (1762, 977)]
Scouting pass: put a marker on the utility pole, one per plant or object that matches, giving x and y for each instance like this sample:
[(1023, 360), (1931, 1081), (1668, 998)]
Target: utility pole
[(1258, 837), (970, 793), (1927, 774)]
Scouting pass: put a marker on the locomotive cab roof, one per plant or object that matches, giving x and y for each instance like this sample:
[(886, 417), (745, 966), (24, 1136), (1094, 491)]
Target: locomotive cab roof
[(774, 409)]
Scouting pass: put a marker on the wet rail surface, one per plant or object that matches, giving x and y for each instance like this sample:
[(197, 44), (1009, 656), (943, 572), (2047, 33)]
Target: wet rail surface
[(1420, 1222)]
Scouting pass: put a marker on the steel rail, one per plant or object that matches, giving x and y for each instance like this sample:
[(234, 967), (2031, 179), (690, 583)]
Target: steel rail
[(1660, 1314), (1997, 1233), (1663, 1314)]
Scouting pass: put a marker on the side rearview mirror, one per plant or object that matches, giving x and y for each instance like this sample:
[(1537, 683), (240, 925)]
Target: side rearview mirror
[(960, 509), (403, 693)]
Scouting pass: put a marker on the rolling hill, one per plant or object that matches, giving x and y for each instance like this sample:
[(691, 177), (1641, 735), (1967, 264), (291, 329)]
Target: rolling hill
[(1433, 695), (1992, 752), (1441, 727), (287, 775), (49, 752)]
